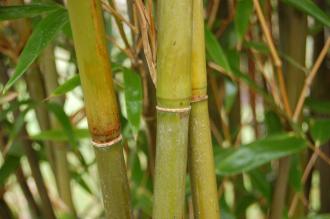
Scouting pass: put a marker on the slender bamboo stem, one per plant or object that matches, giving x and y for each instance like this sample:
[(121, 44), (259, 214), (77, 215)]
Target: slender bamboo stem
[(31, 155), (62, 172), (34, 208), (100, 103), (201, 161), (173, 99), (276, 58), (291, 23)]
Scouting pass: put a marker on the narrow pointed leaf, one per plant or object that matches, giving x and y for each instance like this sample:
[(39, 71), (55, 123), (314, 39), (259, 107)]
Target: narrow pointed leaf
[(320, 131), (67, 86), (243, 13), (248, 157), (8, 167), (24, 11), (133, 97), (60, 135), (64, 120), (45, 31), (310, 8), (215, 51)]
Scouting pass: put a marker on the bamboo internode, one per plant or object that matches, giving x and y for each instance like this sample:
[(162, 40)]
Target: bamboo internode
[(100, 104)]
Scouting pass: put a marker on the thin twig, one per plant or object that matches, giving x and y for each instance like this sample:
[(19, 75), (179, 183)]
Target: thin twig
[(213, 13), (116, 14), (275, 56), (309, 80), (143, 20)]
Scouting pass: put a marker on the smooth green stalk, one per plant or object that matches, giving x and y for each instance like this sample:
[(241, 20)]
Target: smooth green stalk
[(173, 98), (201, 162), (62, 172), (100, 103)]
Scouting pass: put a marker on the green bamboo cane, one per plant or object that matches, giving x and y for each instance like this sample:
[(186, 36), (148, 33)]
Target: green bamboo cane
[(201, 162), (173, 99), (61, 170), (100, 104)]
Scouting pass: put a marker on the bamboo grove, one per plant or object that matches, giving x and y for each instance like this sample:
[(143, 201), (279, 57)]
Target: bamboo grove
[(165, 109)]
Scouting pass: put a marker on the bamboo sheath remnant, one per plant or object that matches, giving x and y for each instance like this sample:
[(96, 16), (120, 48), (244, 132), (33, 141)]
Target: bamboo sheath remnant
[(200, 152), (100, 104), (173, 101)]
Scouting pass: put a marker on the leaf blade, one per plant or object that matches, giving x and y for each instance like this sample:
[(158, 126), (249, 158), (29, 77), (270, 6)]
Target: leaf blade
[(45, 31)]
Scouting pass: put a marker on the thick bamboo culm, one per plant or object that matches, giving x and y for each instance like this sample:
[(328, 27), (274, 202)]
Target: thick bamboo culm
[(100, 104), (200, 152), (173, 100)]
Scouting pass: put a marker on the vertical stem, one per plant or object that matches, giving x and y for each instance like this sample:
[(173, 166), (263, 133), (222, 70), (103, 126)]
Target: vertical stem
[(34, 208), (320, 92), (173, 99), (62, 172), (31, 155), (201, 161), (100, 103), (293, 31)]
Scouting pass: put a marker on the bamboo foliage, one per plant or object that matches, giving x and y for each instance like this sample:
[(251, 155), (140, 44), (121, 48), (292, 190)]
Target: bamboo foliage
[(201, 162), (100, 104), (173, 99)]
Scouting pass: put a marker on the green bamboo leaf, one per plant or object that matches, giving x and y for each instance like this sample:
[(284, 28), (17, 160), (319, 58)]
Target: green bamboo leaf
[(11, 160), (310, 8), (64, 120), (261, 183), (248, 157), (80, 180), (215, 51), (296, 173), (60, 135), (257, 46), (8, 167), (133, 98), (242, 18), (24, 11), (320, 131), (273, 123), (318, 106), (67, 86), (45, 31)]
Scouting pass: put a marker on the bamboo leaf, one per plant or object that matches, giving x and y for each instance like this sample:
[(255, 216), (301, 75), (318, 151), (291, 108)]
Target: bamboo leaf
[(9, 165), (133, 98), (257, 46), (45, 31), (248, 157), (24, 11), (318, 106), (67, 86), (80, 180), (242, 18), (310, 8), (64, 120), (320, 131), (215, 51), (60, 135)]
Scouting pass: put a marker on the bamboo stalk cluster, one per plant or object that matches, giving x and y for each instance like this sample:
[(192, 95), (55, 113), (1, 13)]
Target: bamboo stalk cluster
[(182, 112)]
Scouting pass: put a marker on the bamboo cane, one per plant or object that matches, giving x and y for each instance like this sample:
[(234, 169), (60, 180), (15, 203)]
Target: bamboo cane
[(173, 99), (201, 161), (61, 170), (100, 103)]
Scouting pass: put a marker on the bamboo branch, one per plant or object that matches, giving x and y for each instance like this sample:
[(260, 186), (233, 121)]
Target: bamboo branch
[(309, 80), (275, 56)]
